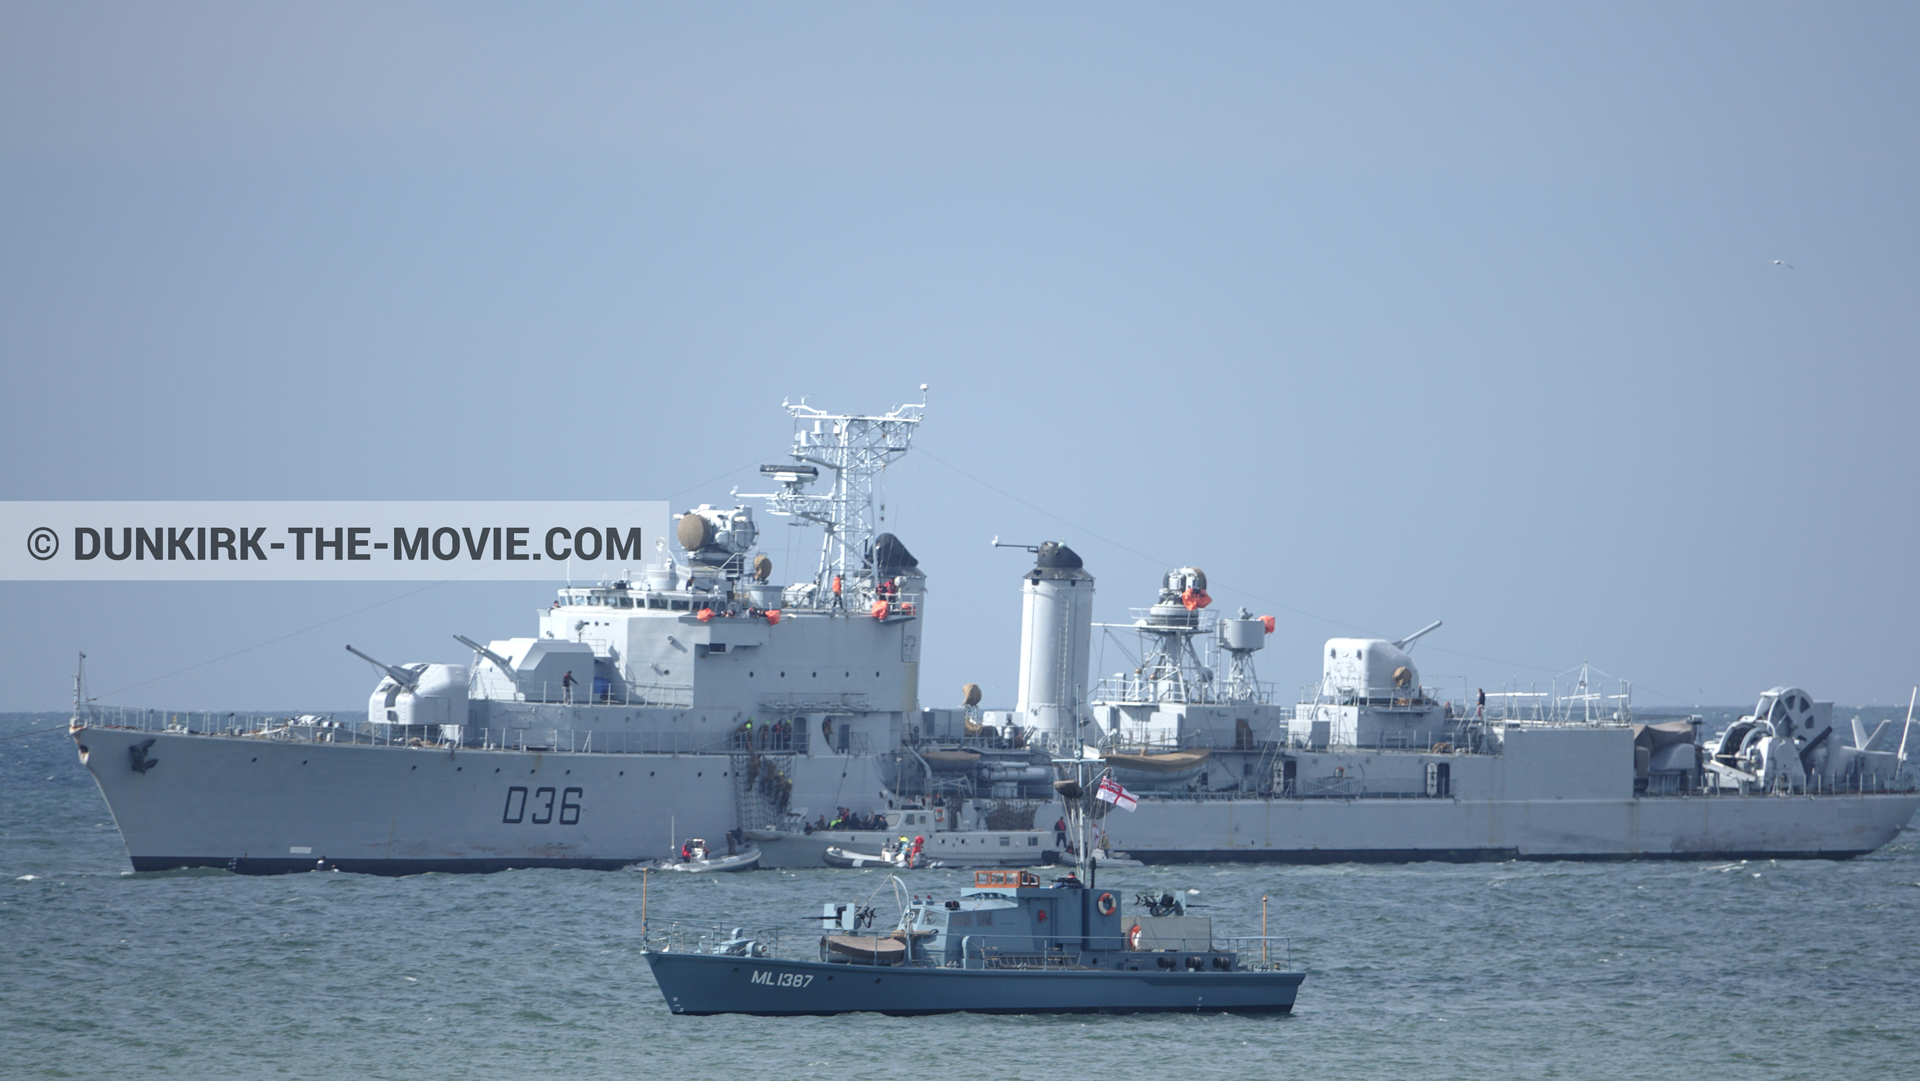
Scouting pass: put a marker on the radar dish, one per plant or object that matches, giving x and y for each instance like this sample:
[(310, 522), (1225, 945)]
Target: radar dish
[(694, 532)]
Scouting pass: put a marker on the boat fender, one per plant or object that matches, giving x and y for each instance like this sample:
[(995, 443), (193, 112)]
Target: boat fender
[(880, 609), (1133, 937), (1106, 905), (773, 617), (704, 615)]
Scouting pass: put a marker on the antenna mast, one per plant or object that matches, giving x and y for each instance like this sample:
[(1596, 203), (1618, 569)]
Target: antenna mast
[(79, 687), (853, 449)]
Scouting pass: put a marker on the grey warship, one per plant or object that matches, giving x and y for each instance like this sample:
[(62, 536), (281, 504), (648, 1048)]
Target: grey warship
[(713, 696)]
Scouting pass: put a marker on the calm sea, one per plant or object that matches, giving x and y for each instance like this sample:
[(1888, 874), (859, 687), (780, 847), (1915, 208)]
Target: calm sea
[(1518, 970)]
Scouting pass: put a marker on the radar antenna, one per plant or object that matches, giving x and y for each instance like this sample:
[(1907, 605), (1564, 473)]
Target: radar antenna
[(854, 449)]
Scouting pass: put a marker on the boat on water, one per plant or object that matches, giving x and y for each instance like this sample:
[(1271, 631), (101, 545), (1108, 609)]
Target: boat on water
[(1007, 945), (697, 858), (886, 857), (724, 699)]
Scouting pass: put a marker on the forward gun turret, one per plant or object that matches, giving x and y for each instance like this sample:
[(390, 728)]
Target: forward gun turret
[(408, 680)]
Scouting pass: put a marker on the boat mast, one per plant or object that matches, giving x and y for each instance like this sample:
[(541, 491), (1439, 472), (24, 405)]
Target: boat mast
[(1078, 797), (854, 449), (79, 688)]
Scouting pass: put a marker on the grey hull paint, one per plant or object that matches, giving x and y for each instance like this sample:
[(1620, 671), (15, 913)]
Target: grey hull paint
[(700, 984), (258, 866), (268, 806), (1717, 827), (249, 805)]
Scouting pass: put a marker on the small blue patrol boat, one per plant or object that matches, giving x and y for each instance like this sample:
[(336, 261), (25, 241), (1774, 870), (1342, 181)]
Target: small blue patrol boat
[(1009, 944)]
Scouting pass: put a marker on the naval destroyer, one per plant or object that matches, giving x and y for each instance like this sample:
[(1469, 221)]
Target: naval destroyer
[(701, 696)]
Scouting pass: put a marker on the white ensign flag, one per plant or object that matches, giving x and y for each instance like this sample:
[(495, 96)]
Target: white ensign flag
[(1111, 791)]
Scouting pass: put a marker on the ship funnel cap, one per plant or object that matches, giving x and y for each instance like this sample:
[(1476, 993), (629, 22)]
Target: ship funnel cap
[(1056, 560)]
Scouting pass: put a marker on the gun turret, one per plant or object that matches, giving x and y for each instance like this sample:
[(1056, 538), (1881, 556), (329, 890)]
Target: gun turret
[(1409, 639), (500, 662), (400, 675)]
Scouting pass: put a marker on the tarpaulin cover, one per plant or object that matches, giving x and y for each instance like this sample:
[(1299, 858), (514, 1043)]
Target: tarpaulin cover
[(1666, 734)]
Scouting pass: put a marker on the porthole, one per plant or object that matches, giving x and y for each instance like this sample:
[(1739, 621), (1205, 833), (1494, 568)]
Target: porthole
[(413, 767), (256, 760), (649, 773), (623, 773)]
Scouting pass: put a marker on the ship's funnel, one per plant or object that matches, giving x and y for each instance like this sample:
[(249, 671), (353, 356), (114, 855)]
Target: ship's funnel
[(1056, 642)]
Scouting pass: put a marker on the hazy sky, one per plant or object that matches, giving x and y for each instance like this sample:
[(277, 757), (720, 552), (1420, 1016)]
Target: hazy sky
[(1379, 313)]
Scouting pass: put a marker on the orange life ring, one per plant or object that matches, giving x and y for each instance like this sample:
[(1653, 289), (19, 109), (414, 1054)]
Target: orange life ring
[(939, 814), (1106, 905), (1133, 938)]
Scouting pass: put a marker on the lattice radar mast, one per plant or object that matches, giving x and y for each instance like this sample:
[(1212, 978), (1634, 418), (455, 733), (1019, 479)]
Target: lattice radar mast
[(853, 450)]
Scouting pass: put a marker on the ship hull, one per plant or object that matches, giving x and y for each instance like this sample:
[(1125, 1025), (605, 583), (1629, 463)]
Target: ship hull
[(701, 984), (270, 806), (1313, 831)]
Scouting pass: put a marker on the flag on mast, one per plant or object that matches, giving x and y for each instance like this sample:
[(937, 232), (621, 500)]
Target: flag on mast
[(1111, 791)]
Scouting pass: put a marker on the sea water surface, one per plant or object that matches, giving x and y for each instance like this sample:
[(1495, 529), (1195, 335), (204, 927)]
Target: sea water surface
[(1796, 969)]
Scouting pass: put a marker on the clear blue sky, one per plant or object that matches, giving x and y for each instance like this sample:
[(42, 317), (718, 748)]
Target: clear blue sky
[(1379, 313)]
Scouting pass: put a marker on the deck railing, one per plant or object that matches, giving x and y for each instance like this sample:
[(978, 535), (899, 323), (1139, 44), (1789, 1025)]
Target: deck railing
[(315, 728)]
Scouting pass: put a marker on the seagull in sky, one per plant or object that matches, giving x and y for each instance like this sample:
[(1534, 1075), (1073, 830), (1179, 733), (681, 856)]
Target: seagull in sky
[(1781, 262)]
